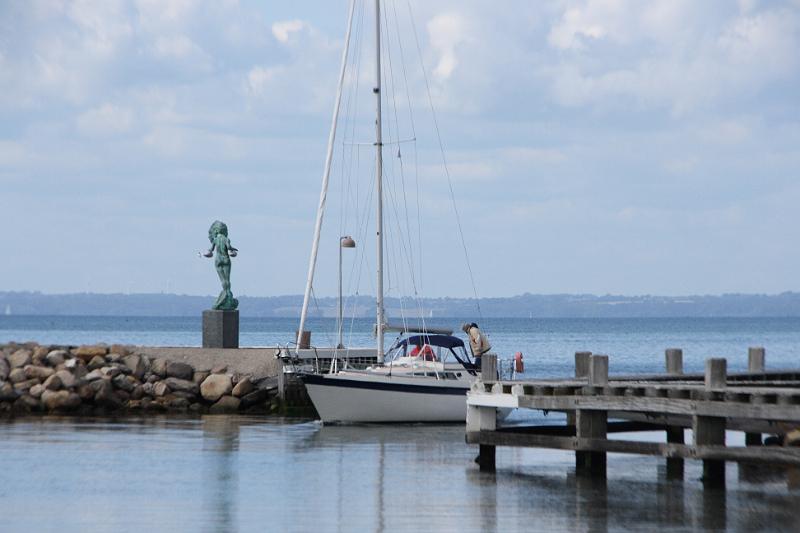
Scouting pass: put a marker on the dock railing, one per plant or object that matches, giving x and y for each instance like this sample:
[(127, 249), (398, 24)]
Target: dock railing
[(754, 402)]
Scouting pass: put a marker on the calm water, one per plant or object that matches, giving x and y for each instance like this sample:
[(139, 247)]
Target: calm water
[(634, 345), (223, 473)]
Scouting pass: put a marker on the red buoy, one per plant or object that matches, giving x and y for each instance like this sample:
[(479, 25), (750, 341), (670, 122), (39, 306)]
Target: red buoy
[(519, 364)]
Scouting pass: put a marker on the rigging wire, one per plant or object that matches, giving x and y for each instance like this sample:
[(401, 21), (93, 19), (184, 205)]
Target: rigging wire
[(444, 161), (394, 106)]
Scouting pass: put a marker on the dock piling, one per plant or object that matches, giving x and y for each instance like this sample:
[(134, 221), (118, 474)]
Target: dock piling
[(598, 370), (716, 373), (675, 435), (755, 359), (581, 372), (591, 424), (674, 360), (484, 418), (582, 364), (711, 429)]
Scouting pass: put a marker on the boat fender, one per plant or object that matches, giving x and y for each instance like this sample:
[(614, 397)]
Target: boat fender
[(519, 364)]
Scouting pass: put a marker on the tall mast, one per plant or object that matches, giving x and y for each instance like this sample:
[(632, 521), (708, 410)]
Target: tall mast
[(378, 181), (323, 195)]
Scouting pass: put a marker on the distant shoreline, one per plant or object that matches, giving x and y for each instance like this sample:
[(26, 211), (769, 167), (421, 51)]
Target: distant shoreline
[(784, 305)]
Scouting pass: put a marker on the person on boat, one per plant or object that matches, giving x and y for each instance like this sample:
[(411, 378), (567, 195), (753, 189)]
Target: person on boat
[(426, 352), (477, 341)]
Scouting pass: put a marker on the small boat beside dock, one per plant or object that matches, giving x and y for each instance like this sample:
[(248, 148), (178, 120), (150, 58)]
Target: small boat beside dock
[(597, 405)]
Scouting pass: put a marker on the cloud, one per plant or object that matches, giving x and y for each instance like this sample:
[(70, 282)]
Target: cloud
[(282, 31), (446, 32), (567, 125)]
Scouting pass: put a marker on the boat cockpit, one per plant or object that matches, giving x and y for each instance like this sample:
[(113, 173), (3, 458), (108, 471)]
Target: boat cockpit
[(430, 350)]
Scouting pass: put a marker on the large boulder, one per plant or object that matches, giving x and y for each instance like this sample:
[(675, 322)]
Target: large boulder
[(85, 391), (96, 362), (7, 392), (177, 369), (136, 364), (121, 349), (19, 358), (93, 375), (67, 379), (244, 387), (226, 404), (17, 375), (178, 403), (5, 368), (39, 354), (38, 372), (159, 367), (138, 392), (26, 403), (200, 376), (257, 397), (105, 396), (111, 371), (56, 357), (215, 387), (160, 389), (62, 400), (124, 382), (86, 353), (36, 391), (53, 383), (183, 385)]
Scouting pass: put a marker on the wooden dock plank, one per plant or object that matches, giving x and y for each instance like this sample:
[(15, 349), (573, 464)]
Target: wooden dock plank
[(763, 454)]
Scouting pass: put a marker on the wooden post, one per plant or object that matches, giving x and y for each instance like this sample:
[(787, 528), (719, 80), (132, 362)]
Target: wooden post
[(484, 418), (598, 370), (675, 464), (581, 371), (755, 363), (674, 363), (710, 429), (716, 373), (593, 424), (488, 368), (674, 359), (582, 364), (755, 359)]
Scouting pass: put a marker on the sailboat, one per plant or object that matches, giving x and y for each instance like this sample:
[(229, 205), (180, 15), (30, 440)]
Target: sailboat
[(425, 374)]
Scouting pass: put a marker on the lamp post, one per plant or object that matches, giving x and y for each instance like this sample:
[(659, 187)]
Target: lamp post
[(344, 242)]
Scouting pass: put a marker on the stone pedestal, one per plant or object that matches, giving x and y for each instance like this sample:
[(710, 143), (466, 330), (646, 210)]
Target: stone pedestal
[(220, 329)]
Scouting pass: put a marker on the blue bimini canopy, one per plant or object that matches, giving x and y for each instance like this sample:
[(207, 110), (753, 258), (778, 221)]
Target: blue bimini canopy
[(445, 341)]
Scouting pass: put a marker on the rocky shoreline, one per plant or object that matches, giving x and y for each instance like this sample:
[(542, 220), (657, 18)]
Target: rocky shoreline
[(100, 379)]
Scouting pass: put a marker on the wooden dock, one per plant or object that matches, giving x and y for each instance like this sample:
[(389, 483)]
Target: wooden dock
[(754, 402)]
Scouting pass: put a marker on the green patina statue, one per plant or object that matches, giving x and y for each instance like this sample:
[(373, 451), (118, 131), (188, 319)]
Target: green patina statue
[(218, 235)]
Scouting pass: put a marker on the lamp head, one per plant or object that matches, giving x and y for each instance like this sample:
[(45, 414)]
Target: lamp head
[(347, 242)]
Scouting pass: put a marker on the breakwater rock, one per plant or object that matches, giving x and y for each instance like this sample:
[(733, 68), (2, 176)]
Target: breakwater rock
[(100, 379)]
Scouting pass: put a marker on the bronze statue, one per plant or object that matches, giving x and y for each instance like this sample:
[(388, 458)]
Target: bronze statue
[(218, 235)]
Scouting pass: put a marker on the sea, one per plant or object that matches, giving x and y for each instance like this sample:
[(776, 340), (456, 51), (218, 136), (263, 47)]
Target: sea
[(256, 473)]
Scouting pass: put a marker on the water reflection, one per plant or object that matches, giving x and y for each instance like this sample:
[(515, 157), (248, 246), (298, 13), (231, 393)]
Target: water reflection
[(223, 473), (220, 447)]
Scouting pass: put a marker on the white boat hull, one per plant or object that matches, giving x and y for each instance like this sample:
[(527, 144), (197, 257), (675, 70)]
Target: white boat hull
[(352, 398)]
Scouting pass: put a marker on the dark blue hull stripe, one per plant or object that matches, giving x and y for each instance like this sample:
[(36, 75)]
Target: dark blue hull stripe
[(316, 379)]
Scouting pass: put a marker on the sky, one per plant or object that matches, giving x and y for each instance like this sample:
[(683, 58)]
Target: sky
[(593, 146)]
